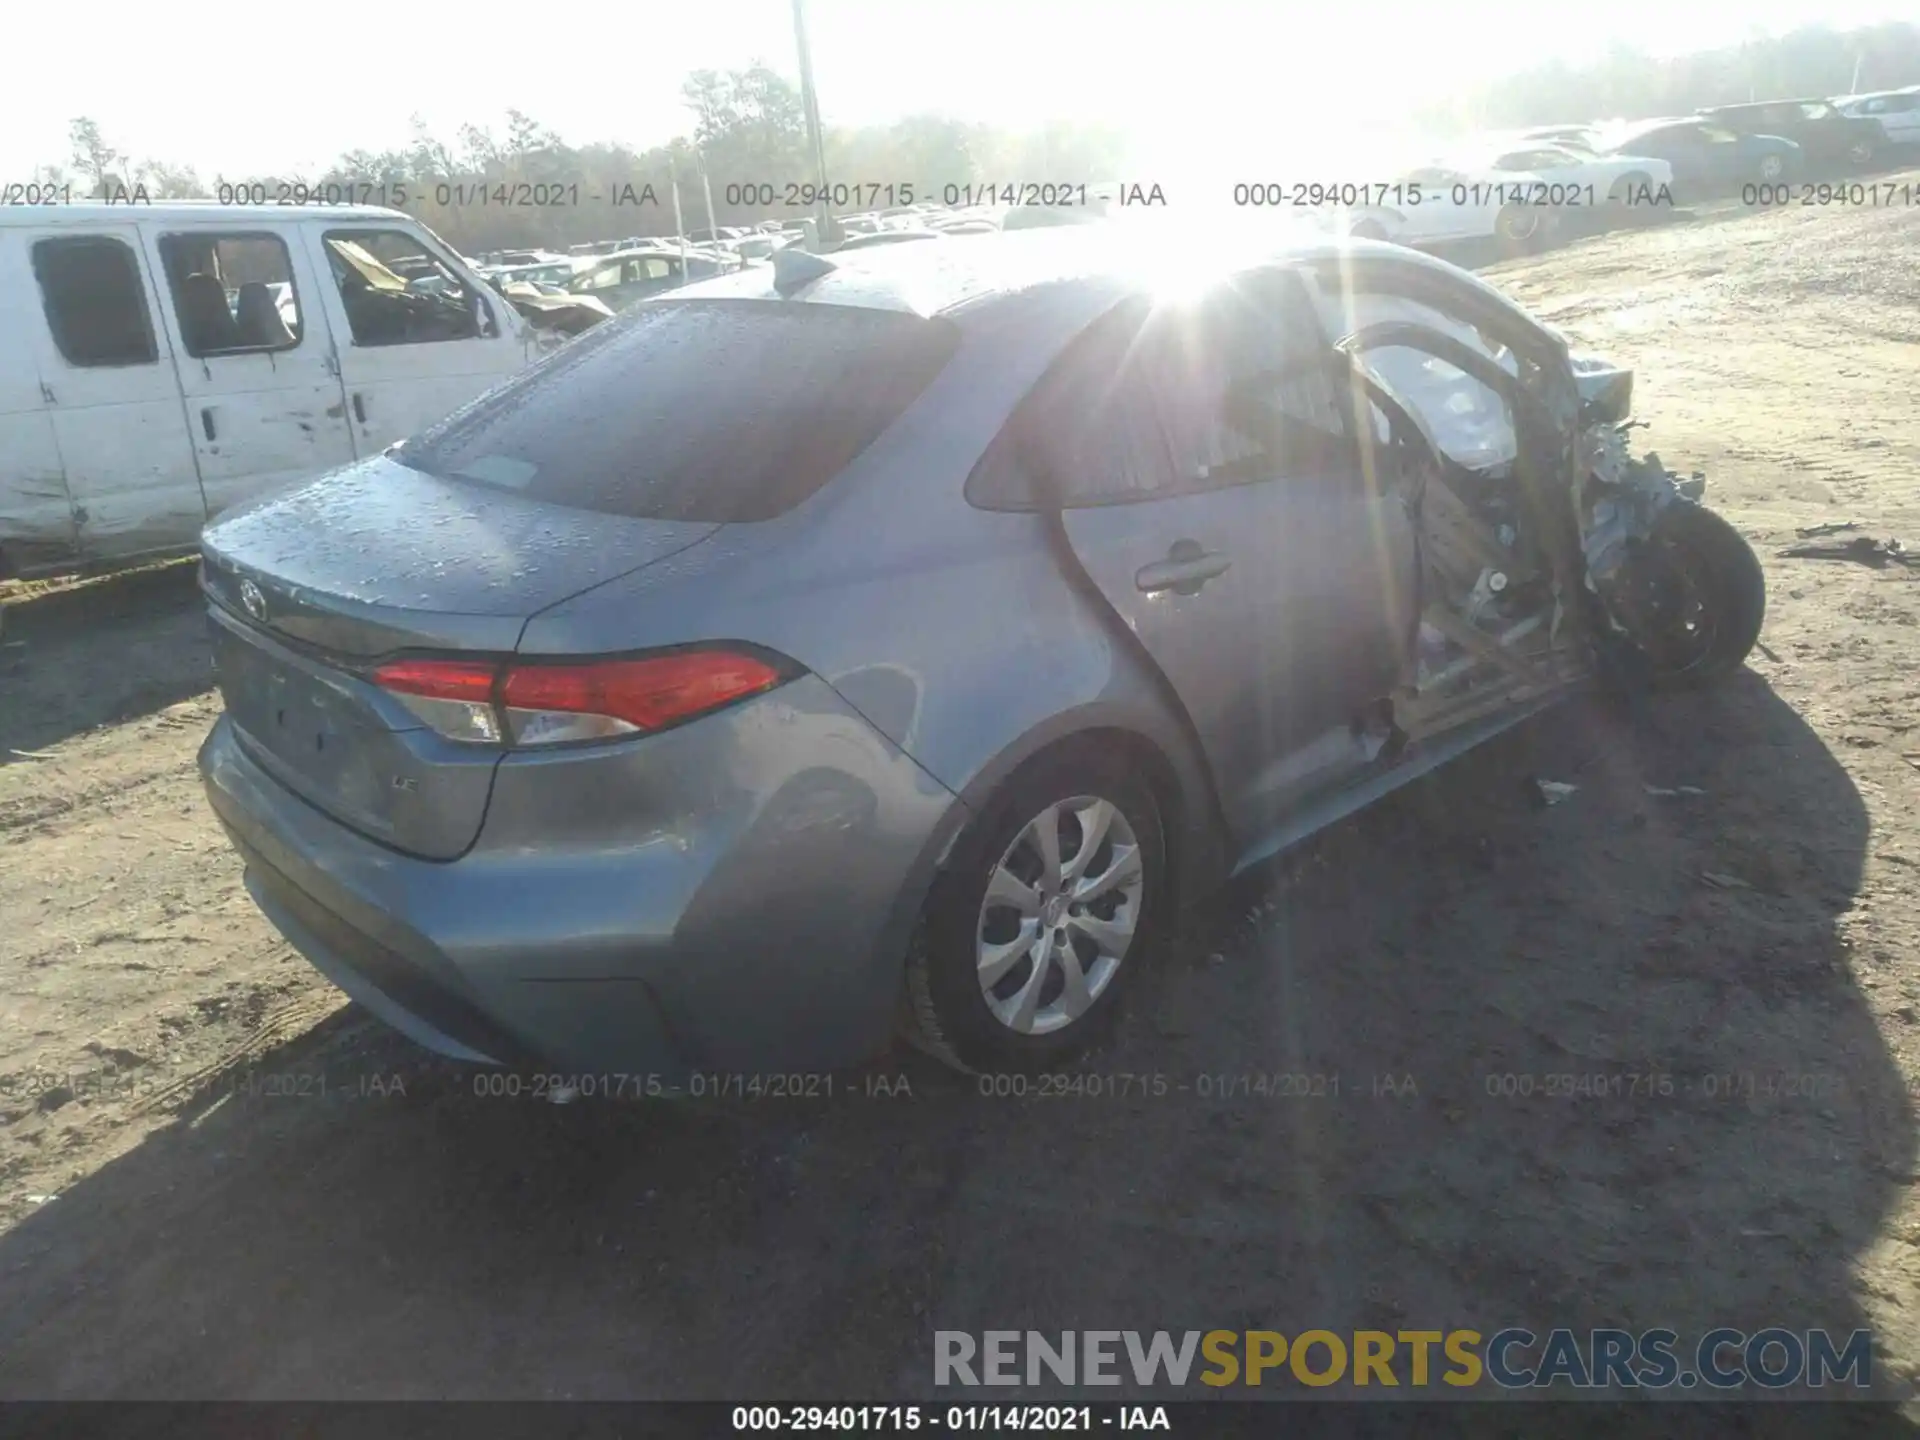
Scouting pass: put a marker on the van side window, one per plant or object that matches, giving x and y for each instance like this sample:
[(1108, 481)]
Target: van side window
[(232, 293), (396, 293), (96, 306)]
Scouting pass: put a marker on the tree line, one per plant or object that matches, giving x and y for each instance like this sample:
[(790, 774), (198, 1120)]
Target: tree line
[(524, 185), (748, 143)]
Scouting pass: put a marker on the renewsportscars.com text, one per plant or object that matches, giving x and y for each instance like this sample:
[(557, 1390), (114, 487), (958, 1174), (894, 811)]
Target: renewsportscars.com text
[(1511, 1359)]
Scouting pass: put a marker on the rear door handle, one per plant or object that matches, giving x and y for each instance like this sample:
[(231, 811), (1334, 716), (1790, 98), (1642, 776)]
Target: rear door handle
[(206, 421), (1186, 568), (359, 408)]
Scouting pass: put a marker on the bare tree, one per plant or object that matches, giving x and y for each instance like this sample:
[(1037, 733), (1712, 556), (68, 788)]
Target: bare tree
[(93, 158), (432, 160)]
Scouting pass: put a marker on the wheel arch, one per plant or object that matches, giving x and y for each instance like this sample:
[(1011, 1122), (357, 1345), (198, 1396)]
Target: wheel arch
[(1195, 838), (1194, 831)]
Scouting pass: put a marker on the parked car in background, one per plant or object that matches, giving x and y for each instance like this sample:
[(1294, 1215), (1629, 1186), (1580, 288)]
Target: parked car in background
[(1829, 141), (1709, 158), (1041, 217), (1446, 204), (884, 237), (1585, 137), (972, 216), (759, 246), (520, 257), (631, 275), (904, 641), (159, 363), (555, 275), (1896, 112), (1617, 179)]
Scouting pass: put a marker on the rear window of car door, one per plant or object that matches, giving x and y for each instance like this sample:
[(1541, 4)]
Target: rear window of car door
[(1172, 399)]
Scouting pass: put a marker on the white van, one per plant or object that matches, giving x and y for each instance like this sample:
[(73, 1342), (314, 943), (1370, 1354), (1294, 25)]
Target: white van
[(160, 362)]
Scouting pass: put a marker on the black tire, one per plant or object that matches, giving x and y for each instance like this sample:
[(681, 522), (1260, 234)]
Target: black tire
[(1369, 230), (1697, 552), (947, 1012), (1860, 153)]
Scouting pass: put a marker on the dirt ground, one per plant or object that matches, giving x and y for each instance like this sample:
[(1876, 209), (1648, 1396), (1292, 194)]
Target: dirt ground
[(218, 1180)]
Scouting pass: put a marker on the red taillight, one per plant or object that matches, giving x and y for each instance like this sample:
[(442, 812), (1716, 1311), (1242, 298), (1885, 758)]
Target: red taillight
[(438, 679), (549, 704), (646, 694)]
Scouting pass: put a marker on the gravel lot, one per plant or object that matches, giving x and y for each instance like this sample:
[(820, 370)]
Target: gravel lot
[(243, 1188)]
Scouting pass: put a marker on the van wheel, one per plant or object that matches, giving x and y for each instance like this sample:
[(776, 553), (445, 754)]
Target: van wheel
[(1692, 600), (1043, 918)]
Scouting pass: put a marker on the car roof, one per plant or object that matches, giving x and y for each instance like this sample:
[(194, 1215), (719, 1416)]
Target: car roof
[(671, 252), (1765, 104), (99, 212), (1647, 127), (998, 270)]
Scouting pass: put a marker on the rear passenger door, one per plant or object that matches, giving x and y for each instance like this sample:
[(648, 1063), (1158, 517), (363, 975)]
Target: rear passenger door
[(264, 400), (112, 393), (1212, 489), (407, 357)]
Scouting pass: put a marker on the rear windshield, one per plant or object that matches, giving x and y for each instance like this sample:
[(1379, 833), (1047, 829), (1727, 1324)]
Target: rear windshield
[(711, 410)]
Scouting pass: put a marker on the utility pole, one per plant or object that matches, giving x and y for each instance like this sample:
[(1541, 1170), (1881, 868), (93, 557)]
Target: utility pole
[(810, 102)]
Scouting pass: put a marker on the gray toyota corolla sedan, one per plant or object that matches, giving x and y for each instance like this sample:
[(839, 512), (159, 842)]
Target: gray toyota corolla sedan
[(897, 640)]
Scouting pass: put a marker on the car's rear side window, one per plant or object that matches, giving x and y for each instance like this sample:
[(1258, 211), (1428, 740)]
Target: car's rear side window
[(707, 410), (1160, 400)]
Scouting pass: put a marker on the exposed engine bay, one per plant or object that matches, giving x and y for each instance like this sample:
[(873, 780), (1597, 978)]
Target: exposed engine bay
[(1528, 585)]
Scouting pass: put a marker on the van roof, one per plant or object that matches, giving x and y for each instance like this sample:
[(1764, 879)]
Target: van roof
[(99, 212)]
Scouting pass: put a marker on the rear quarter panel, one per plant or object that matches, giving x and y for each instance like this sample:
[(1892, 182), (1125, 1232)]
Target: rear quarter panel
[(956, 632)]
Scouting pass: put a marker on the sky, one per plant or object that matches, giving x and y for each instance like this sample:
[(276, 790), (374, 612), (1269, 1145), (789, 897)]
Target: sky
[(1176, 75)]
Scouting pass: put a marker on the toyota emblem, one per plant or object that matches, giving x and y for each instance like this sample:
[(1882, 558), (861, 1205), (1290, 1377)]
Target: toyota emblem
[(255, 602)]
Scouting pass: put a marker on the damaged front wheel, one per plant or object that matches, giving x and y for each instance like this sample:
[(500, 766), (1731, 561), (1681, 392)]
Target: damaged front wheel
[(1689, 602)]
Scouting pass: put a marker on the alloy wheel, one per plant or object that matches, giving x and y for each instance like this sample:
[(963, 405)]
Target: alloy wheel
[(1060, 914), (1519, 224)]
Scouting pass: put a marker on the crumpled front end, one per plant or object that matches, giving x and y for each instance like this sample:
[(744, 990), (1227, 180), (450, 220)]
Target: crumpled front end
[(1618, 497)]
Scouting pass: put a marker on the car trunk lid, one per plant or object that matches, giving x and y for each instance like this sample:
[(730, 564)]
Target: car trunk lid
[(311, 588)]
